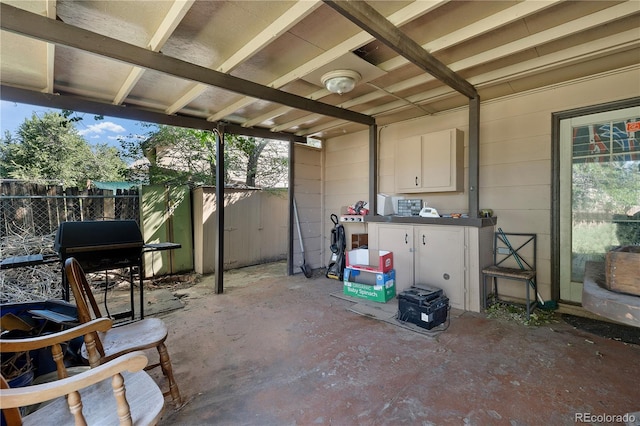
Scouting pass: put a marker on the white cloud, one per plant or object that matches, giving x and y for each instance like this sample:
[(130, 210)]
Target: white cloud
[(100, 128)]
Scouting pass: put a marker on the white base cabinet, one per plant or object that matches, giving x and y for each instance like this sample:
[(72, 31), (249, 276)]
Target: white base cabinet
[(446, 257), (439, 260), (397, 239)]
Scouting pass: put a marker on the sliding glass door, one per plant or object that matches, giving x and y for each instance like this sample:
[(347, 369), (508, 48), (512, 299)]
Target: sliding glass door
[(599, 190)]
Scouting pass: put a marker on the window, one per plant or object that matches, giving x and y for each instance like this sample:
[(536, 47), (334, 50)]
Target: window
[(598, 189)]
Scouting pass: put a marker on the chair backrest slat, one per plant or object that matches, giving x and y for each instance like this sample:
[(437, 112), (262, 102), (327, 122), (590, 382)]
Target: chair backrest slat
[(84, 299)]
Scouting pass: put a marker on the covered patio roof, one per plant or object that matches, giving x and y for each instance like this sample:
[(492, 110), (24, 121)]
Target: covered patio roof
[(256, 66)]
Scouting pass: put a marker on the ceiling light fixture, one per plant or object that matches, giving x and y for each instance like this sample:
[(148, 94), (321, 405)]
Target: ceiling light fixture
[(340, 81)]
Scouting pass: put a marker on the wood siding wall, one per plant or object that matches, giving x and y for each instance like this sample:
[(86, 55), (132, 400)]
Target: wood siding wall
[(515, 159), (308, 194), (255, 225)]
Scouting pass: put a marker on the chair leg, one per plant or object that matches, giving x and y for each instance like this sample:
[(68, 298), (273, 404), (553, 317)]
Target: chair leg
[(528, 302), (531, 284), (167, 370), (484, 292)]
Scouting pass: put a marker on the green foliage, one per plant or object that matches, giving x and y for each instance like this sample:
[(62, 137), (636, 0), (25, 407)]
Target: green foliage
[(611, 187), (518, 314), (50, 149), (593, 237), (265, 161), (176, 155), (180, 155)]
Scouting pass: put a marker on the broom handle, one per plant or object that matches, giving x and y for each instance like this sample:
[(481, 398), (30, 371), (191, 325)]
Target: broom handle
[(513, 252), (295, 211)]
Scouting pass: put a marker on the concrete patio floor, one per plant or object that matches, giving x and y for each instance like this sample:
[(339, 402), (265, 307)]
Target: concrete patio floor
[(281, 350)]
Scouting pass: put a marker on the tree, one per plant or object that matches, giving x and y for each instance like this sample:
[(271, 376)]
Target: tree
[(175, 155), (49, 148), (180, 155), (265, 161), (611, 187)]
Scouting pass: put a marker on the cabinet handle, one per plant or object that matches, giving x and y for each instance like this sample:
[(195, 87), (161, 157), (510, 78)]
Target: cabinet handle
[(424, 241), (406, 238), (416, 180)]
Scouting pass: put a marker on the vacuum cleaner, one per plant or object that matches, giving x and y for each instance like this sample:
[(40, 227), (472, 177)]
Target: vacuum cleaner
[(335, 270)]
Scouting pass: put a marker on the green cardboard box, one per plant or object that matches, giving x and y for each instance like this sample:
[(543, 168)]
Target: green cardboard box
[(375, 286)]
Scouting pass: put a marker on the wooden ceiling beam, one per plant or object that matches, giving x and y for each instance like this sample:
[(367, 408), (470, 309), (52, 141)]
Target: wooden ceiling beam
[(32, 25), (51, 50), (566, 29), (626, 41), (287, 20), (178, 10), (367, 18), (76, 103), (404, 15)]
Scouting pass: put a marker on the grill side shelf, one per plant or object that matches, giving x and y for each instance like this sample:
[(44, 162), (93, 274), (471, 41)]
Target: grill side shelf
[(102, 247)]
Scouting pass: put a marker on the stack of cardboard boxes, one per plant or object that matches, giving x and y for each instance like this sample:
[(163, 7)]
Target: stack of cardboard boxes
[(369, 274)]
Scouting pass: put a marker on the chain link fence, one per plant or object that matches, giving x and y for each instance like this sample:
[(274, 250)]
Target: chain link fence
[(28, 224)]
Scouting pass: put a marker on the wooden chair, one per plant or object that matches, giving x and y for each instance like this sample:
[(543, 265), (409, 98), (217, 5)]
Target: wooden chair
[(130, 397), (139, 335)]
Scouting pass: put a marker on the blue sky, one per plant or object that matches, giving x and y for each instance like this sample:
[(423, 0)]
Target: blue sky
[(12, 115)]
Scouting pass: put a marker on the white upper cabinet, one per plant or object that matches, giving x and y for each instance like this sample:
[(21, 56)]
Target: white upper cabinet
[(432, 162)]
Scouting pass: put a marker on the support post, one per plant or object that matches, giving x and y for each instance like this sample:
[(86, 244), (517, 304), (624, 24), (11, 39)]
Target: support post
[(373, 168), (292, 163), (219, 242), (474, 156)]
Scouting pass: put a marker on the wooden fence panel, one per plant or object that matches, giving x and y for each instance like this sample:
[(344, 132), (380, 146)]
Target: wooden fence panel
[(36, 209)]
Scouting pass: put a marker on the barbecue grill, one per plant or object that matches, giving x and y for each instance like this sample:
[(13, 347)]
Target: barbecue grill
[(101, 246), (98, 246), (104, 245)]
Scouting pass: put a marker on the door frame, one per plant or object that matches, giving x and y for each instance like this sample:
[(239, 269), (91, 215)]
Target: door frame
[(557, 117)]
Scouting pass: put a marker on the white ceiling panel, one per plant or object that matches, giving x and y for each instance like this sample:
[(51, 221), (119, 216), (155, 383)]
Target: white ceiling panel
[(258, 63)]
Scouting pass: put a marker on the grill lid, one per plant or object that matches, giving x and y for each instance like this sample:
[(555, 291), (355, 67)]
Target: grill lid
[(100, 245), (73, 237)]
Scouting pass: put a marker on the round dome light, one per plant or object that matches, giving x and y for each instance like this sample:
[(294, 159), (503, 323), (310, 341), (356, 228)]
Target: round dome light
[(340, 81)]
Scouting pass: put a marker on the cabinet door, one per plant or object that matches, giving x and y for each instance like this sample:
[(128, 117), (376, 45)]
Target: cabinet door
[(408, 164), (398, 240), (439, 260), (442, 161)]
